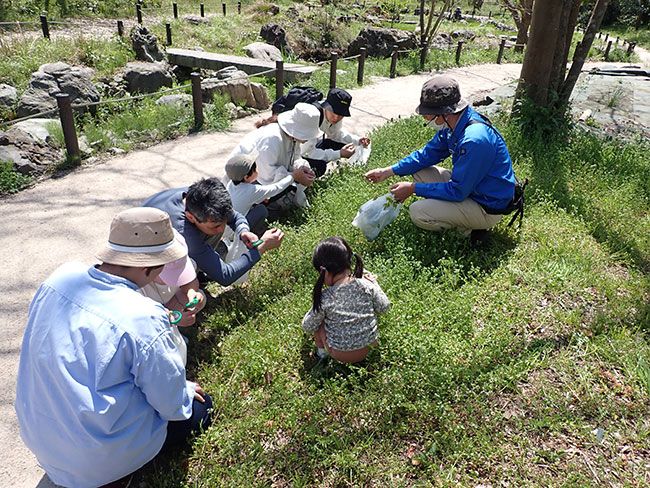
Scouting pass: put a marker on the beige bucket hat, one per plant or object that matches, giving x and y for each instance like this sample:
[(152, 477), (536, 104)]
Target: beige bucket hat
[(141, 237), (302, 122)]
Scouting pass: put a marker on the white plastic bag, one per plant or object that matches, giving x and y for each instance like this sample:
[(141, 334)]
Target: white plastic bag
[(360, 156), (376, 214), (236, 248)]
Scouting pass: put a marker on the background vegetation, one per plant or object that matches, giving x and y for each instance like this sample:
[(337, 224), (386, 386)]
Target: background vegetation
[(524, 365)]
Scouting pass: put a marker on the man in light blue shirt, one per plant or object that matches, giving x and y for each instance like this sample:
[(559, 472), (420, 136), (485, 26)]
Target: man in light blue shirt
[(101, 385)]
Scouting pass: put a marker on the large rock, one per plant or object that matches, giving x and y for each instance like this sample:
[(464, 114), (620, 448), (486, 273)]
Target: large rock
[(38, 129), (463, 35), (145, 45), (147, 77), (8, 97), (261, 50), (238, 87), (52, 79), (379, 42), (274, 35), (28, 156)]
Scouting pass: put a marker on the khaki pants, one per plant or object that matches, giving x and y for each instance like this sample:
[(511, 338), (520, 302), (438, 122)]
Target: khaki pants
[(433, 214)]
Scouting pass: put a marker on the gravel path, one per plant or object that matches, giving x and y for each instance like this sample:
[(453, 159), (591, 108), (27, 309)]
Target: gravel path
[(64, 219)]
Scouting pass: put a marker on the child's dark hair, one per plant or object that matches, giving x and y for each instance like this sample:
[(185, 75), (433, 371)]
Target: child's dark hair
[(334, 255)]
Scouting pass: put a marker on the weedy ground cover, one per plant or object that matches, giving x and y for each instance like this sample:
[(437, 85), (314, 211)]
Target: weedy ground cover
[(524, 364)]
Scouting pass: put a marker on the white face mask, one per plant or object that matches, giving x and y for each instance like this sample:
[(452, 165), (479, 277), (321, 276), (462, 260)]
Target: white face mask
[(433, 124)]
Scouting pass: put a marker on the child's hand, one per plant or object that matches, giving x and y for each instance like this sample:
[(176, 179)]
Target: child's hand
[(370, 277), (364, 141)]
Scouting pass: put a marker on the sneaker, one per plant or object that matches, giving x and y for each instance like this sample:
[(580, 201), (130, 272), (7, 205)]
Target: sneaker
[(479, 238)]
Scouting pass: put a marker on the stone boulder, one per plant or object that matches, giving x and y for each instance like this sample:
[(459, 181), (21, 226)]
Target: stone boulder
[(29, 156), (463, 35), (145, 45), (8, 97), (274, 35), (261, 50), (147, 77), (237, 86), (52, 79), (197, 20), (176, 100), (379, 42), (441, 41)]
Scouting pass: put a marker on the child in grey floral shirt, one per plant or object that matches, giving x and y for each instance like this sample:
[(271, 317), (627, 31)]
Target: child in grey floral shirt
[(343, 316)]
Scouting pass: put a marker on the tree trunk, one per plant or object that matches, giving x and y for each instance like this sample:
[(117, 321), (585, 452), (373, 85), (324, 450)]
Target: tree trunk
[(582, 50), (539, 58), (566, 27)]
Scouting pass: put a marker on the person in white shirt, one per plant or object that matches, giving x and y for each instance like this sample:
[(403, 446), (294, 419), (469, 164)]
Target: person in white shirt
[(248, 195), (336, 142), (278, 147)]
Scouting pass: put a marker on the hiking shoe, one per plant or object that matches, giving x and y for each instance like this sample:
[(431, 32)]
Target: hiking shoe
[(479, 238)]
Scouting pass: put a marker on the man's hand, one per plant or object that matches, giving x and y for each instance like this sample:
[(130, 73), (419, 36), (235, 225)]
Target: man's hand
[(199, 394), (379, 174), (347, 150), (303, 175), (364, 141), (402, 190), (272, 238), (248, 238)]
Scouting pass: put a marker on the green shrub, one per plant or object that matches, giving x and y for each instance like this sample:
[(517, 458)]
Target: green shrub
[(10, 180)]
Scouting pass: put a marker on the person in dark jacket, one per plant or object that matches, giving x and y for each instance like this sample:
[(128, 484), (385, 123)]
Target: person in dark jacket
[(200, 214)]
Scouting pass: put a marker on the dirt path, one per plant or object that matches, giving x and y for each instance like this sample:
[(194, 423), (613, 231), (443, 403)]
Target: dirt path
[(65, 219)]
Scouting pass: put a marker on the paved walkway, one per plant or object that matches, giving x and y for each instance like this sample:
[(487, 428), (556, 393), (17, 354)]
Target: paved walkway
[(67, 218)]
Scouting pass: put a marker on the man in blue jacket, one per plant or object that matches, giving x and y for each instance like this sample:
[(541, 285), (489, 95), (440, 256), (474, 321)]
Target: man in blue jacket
[(200, 214), (471, 196)]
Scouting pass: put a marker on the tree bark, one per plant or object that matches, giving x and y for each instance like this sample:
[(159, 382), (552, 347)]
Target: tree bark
[(582, 50), (539, 58)]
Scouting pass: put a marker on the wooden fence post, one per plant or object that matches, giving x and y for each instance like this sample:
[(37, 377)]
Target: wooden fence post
[(393, 63), (44, 27), (501, 48), (202, 10), (609, 46), (197, 100), (223, 7), (138, 12), (120, 28), (459, 49), (67, 124), (175, 6), (423, 54), (333, 62), (362, 65), (279, 79), (168, 29)]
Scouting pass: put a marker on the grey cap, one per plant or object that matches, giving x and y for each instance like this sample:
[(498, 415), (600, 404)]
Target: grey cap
[(238, 166), (440, 96)]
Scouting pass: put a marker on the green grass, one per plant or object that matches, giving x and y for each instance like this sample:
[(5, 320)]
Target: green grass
[(493, 367), (12, 181)]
